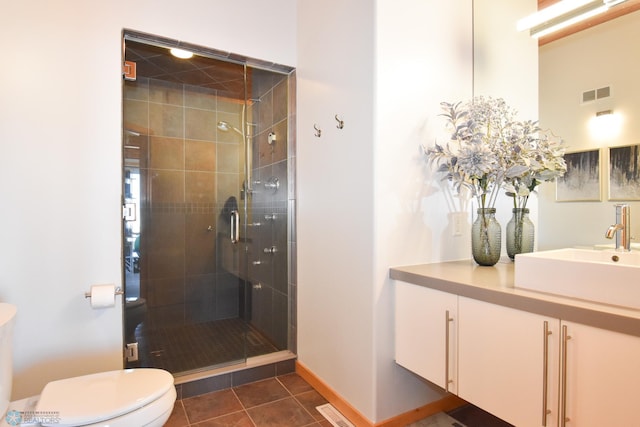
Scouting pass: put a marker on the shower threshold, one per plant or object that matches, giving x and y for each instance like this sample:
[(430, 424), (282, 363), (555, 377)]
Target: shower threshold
[(250, 362)]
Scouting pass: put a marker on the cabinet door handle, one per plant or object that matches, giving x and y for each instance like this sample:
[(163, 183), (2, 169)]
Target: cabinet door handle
[(545, 372), (447, 381), (563, 382)]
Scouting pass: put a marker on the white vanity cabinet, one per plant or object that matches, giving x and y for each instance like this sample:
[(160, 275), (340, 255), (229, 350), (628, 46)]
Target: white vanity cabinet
[(426, 333), (526, 368), (602, 382), (519, 366), (508, 362)]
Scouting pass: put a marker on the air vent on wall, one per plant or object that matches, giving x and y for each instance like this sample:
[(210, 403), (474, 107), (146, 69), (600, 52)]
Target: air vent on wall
[(588, 96), (603, 92), (593, 94)]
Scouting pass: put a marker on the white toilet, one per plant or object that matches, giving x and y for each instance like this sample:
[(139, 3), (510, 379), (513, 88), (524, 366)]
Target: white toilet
[(141, 397)]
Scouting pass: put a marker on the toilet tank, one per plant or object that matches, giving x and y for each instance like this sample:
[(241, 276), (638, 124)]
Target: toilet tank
[(7, 316)]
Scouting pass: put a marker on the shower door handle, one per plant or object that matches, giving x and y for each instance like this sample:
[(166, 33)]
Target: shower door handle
[(235, 226)]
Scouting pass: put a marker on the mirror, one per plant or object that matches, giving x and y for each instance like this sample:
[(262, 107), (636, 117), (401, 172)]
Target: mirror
[(595, 58), (571, 69)]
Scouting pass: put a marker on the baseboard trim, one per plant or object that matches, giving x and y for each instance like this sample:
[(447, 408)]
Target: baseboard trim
[(447, 403)]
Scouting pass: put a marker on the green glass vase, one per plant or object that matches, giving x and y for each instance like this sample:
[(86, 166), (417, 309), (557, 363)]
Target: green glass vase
[(486, 237), (520, 233)]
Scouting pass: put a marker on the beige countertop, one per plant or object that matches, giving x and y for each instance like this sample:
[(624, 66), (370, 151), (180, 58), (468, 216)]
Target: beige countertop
[(495, 285)]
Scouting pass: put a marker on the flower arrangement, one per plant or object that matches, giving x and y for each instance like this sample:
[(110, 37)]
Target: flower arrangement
[(489, 149), (543, 159)]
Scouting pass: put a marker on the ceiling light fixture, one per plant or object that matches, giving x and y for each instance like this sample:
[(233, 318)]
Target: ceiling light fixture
[(180, 53), (562, 14)]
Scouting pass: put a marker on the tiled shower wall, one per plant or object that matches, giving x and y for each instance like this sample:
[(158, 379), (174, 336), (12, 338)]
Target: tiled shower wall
[(188, 170), (273, 194)]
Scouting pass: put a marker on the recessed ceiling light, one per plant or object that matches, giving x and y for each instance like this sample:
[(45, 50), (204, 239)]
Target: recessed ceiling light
[(180, 53)]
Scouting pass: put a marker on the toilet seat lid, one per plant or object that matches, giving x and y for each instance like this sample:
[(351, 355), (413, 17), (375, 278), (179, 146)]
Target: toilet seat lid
[(97, 397)]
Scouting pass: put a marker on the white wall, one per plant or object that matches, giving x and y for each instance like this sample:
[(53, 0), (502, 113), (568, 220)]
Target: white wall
[(335, 195), (423, 57), (60, 160), (604, 55), (363, 200)]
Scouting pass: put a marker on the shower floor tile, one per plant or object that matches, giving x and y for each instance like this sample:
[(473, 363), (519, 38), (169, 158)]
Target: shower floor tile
[(196, 346)]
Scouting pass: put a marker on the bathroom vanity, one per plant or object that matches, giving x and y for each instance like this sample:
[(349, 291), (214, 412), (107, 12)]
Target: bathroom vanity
[(530, 358)]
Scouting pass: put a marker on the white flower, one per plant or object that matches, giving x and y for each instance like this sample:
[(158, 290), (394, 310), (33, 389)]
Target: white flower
[(489, 148), (476, 160)]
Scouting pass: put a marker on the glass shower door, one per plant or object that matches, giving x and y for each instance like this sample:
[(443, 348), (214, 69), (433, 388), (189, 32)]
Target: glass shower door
[(206, 195), (183, 178)]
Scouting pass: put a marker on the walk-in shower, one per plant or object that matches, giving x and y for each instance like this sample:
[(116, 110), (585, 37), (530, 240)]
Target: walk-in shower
[(207, 235)]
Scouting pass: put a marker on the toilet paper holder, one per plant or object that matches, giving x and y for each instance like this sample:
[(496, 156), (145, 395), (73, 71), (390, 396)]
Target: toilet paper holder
[(119, 291)]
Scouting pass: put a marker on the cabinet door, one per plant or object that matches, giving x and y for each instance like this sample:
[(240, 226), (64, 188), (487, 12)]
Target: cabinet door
[(502, 358), (602, 377), (426, 333)]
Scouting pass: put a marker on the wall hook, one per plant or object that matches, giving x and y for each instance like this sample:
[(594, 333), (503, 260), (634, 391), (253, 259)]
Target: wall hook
[(340, 124), (318, 131)]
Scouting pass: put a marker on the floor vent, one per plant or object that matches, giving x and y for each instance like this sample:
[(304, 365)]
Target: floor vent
[(333, 416)]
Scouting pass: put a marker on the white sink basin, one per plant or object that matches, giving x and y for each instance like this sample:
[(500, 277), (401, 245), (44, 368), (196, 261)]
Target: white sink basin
[(604, 276)]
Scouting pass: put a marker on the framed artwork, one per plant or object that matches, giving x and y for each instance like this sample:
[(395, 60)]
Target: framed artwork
[(581, 182), (624, 173)]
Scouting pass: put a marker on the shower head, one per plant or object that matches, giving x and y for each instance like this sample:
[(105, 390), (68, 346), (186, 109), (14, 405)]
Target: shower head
[(226, 127)]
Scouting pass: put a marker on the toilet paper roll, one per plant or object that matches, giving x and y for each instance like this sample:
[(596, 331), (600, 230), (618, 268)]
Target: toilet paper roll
[(103, 296)]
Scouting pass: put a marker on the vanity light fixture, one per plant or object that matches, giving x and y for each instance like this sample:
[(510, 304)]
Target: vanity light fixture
[(605, 125), (180, 53), (563, 14)]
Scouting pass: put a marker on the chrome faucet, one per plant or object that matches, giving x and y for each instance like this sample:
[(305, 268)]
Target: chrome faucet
[(621, 228)]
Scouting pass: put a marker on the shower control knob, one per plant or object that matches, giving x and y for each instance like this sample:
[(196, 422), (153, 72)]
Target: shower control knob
[(258, 262), (271, 217), (271, 250), (257, 286), (272, 183)]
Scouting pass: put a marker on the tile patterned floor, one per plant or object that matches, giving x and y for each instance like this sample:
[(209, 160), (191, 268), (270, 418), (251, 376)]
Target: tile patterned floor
[(284, 401), (289, 401)]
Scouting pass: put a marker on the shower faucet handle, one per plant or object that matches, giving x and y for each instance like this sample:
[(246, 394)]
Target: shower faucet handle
[(272, 183)]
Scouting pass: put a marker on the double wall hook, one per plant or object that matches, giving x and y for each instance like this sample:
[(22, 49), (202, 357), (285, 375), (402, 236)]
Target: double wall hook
[(340, 124), (318, 130)]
